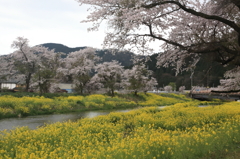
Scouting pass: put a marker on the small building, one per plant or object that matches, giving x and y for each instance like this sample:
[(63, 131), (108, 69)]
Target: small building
[(8, 85), (66, 86)]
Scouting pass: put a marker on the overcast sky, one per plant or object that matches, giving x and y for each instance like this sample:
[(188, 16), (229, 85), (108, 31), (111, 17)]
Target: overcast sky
[(46, 21)]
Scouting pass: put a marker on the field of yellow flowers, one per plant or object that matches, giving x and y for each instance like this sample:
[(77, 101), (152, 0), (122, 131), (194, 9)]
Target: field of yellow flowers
[(14, 106), (180, 131)]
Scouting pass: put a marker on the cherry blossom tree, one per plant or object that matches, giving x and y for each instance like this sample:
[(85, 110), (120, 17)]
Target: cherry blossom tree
[(139, 79), (168, 88), (231, 81), (150, 84), (78, 67), (181, 89), (6, 71), (25, 59), (184, 29), (45, 76), (110, 75), (94, 85)]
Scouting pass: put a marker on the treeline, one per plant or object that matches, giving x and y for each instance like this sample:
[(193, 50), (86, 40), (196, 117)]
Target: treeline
[(206, 73), (39, 66), (41, 69)]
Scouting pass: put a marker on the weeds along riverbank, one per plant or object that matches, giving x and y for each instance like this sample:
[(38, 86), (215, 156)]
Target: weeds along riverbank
[(180, 131), (18, 106)]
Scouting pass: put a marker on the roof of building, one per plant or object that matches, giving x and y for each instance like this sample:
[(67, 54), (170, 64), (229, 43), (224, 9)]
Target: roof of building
[(9, 81)]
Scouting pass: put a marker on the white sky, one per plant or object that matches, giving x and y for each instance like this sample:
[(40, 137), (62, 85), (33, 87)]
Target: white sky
[(46, 21)]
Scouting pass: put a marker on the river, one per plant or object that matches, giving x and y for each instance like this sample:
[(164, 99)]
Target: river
[(33, 122)]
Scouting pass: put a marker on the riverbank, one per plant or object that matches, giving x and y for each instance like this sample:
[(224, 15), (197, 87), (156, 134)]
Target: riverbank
[(34, 122), (11, 106)]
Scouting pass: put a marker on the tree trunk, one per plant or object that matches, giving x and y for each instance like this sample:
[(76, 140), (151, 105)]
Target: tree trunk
[(81, 91), (135, 92), (28, 78), (238, 39), (112, 92)]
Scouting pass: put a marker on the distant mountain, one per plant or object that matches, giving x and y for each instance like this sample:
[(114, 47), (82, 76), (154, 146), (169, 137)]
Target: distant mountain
[(123, 57), (61, 47)]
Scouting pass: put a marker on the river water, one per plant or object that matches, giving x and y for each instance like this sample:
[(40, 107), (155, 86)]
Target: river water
[(33, 122)]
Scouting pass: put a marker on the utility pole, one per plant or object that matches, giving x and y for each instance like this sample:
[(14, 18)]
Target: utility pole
[(191, 78)]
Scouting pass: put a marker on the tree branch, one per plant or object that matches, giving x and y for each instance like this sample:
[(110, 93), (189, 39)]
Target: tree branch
[(163, 39), (200, 14)]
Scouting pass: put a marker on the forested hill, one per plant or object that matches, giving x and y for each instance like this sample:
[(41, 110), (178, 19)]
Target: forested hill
[(61, 47), (123, 57), (205, 74)]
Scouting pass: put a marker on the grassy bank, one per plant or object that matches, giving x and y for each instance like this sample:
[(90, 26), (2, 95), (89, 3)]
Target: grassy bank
[(13, 106), (177, 132), (23, 106)]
